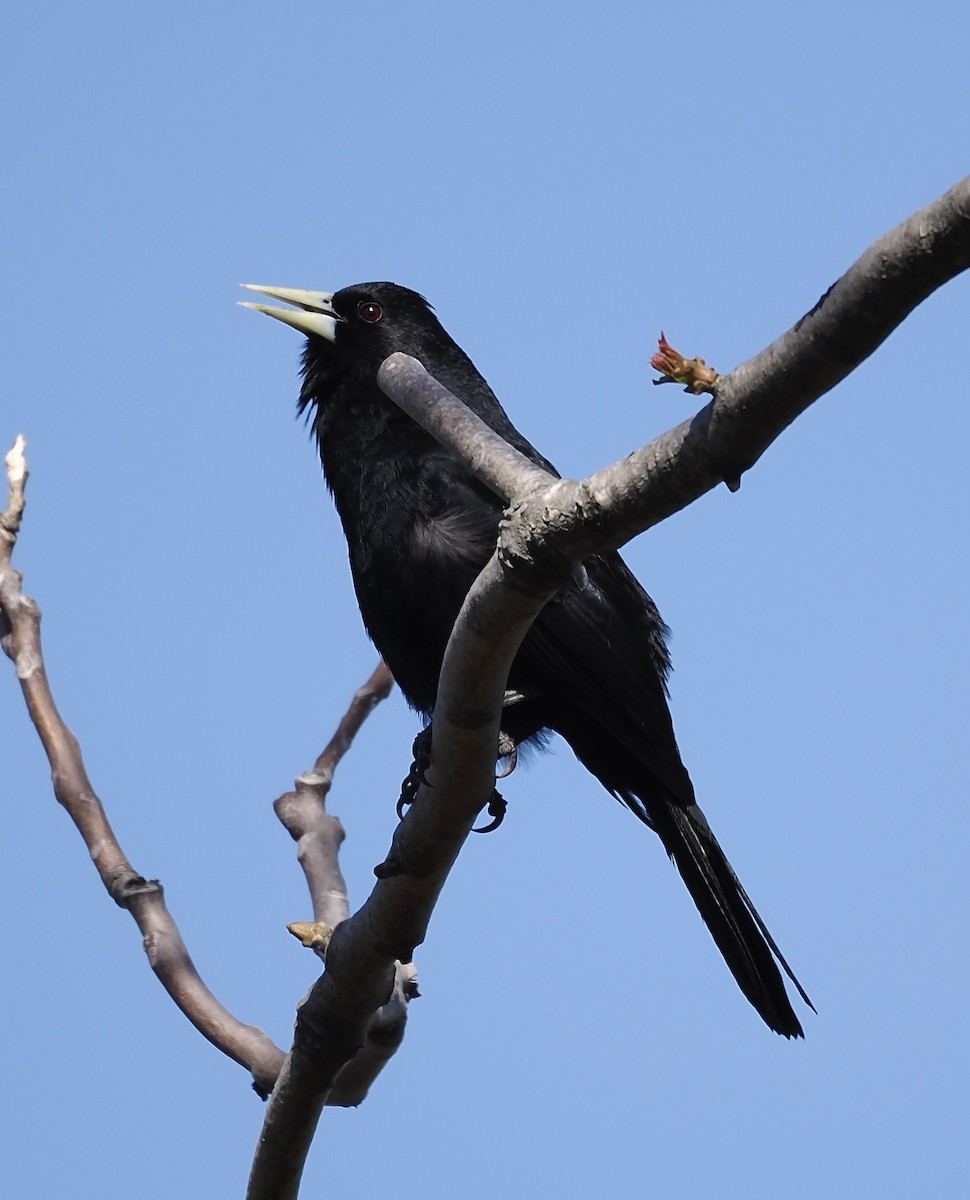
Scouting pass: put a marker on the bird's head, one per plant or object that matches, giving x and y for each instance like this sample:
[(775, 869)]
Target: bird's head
[(351, 332)]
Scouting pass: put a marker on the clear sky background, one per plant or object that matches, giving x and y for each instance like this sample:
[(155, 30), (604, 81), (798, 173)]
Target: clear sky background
[(562, 182)]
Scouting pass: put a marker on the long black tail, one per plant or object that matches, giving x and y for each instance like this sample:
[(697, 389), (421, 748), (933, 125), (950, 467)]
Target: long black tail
[(593, 668), (741, 936)]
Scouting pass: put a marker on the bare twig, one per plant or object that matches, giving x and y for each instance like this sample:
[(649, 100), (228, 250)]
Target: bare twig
[(385, 1033), (304, 815), (143, 898), (318, 835), (17, 473), (366, 699)]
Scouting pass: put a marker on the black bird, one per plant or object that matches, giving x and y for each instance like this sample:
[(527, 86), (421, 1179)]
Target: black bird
[(420, 527)]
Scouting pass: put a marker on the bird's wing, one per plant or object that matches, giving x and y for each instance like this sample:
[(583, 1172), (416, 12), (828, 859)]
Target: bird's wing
[(435, 531), (597, 655)]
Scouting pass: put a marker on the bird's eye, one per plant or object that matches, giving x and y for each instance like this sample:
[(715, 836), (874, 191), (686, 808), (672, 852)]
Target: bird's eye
[(369, 311)]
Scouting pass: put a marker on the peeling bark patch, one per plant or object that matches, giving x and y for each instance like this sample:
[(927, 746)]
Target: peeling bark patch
[(27, 663)]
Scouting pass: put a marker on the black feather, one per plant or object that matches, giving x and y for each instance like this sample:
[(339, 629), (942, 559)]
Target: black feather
[(593, 668)]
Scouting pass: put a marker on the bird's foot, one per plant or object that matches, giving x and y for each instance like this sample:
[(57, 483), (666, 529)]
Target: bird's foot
[(421, 750), (508, 752), (497, 808)]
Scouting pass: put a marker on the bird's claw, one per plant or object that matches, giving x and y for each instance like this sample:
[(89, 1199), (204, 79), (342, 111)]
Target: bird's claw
[(511, 761), (508, 751), (415, 778), (497, 807), (421, 750), (406, 798)]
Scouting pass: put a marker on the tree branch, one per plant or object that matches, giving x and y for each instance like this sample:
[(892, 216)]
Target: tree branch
[(304, 815), (319, 835), (143, 898), (752, 405), (360, 976), (552, 525), (302, 812)]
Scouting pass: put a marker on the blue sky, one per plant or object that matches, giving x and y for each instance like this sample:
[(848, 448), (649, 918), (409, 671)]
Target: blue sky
[(562, 184)]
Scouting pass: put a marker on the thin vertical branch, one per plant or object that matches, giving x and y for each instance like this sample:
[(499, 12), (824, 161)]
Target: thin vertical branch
[(167, 954)]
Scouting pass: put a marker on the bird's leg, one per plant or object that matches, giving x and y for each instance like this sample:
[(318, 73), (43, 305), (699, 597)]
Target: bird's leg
[(508, 747), (421, 751)]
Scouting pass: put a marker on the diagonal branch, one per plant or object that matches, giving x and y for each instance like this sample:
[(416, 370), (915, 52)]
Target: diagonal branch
[(752, 405), (332, 1021), (551, 527)]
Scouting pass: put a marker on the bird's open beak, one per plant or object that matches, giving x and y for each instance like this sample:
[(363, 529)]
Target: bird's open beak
[(315, 314)]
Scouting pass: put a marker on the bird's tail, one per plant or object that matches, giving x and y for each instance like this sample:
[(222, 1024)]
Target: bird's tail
[(742, 937)]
